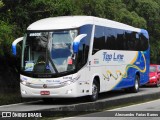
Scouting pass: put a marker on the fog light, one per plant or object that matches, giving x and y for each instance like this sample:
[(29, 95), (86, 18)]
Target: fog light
[(23, 92), (69, 92), (24, 83)]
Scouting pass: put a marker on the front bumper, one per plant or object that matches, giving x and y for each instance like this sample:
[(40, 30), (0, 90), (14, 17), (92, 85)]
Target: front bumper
[(63, 92)]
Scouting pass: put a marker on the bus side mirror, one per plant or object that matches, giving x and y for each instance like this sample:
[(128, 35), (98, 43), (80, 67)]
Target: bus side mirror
[(14, 44), (77, 41)]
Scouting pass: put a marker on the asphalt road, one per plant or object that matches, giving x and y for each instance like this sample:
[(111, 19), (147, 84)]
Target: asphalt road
[(143, 111)]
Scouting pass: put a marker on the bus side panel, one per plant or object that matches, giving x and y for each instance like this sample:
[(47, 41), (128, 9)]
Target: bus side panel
[(116, 68), (139, 67), (118, 55)]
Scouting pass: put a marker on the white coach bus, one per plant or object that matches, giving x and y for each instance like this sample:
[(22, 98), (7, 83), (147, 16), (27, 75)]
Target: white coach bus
[(74, 56)]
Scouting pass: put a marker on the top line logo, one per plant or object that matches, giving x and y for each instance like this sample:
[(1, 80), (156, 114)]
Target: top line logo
[(114, 57)]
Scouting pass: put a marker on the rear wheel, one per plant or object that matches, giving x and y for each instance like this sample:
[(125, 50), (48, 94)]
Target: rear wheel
[(95, 91), (136, 86)]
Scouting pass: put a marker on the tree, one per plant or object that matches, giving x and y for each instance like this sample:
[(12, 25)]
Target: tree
[(150, 11), (18, 14)]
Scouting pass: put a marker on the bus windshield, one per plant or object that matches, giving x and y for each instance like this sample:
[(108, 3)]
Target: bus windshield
[(48, 52)]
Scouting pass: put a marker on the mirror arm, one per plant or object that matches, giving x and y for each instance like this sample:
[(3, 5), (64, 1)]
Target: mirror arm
[(77, 41), (14, 44)]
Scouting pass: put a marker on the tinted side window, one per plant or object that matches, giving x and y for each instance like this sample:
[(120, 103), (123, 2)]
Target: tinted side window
[(137, 42), (128, 40), (132, 41), (143, 43), (117, 39), (99, 39), (110, 39), (84, 45)]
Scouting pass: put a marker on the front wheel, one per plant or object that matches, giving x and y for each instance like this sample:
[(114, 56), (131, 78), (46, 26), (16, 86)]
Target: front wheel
[(95, 91), (136, 86)]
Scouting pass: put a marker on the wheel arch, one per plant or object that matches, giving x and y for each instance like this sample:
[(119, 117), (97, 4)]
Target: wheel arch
[(95, 88), (97, 79), (137, 73)]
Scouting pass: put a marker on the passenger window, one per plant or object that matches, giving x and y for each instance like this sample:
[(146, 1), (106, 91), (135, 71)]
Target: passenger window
[(117, 39), (99, 39), (137, 42), (110, 39), (144, 42), (126, 40), (84, 45)]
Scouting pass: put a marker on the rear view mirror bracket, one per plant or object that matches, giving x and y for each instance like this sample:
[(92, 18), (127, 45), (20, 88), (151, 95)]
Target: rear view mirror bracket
[(14, 44), (77, 41)]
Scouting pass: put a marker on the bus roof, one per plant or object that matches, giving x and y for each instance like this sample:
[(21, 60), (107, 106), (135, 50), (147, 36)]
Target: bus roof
[(65, 22)]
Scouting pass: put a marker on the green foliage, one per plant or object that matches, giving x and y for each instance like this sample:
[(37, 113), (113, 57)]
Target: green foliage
[(16, 15), (6, 37), (131, 18), (147, 8), (1, 3), (150, 11)]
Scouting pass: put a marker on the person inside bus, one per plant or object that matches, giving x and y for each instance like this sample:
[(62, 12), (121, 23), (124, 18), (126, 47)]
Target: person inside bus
[(39, 67)]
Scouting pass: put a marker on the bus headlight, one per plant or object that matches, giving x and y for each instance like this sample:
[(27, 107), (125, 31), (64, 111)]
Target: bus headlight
[(25, 83)]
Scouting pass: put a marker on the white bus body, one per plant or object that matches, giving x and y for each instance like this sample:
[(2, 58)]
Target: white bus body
[(94, 66)]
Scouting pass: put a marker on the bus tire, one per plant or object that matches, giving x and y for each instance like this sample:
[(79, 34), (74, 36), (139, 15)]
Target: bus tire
[(136, 86), (95, 91)]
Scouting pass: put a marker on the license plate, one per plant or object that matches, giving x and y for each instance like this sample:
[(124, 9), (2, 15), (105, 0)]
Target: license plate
[(45, 93)]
